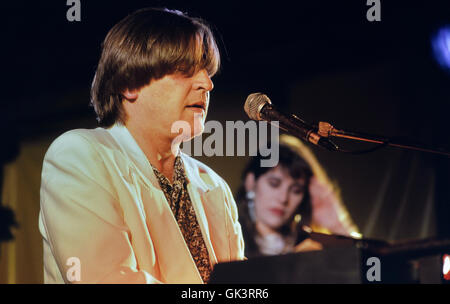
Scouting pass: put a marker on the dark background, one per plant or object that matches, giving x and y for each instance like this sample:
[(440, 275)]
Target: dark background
[(319, 59)]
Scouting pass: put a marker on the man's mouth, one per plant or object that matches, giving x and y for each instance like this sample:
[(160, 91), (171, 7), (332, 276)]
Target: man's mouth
[(200, 105)]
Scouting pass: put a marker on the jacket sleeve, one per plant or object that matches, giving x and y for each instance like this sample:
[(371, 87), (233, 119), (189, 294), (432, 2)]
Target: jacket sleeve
[(82, 218)]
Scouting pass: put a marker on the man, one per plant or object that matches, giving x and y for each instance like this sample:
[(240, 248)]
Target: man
[(122, 204)]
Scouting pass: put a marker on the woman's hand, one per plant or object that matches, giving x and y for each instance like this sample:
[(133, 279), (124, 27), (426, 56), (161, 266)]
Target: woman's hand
[(327, 211)]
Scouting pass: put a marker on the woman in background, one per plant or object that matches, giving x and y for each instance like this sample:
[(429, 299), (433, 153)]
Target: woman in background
[(276, 204)]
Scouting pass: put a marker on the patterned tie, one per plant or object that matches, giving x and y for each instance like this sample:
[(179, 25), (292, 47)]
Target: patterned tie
[(178, 197)]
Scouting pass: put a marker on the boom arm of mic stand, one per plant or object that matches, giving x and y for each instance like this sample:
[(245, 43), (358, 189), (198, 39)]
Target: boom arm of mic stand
[(327, 130)]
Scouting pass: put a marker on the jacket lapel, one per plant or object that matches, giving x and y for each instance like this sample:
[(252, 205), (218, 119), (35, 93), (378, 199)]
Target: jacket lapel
[(173, 256), (214, 209), (198, 203), (209, 208)]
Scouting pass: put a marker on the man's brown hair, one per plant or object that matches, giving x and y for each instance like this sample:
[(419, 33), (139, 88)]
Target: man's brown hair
[(144, 46)]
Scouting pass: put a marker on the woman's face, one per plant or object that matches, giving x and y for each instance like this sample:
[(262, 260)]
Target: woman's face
[(277, 196)]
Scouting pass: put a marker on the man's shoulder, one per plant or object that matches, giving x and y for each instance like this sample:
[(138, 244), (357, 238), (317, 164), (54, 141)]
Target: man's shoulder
[(75, 136), (78, 141), (80, 138)]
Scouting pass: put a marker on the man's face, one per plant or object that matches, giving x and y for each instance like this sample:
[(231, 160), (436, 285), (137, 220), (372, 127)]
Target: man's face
[(172, 99)]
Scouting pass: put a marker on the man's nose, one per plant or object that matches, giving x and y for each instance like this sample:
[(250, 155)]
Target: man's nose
[(203, 81)]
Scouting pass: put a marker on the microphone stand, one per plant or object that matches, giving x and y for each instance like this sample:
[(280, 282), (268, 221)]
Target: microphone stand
[(327, 130)]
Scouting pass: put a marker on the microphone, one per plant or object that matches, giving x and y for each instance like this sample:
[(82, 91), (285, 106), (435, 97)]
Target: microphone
[(259, 107)]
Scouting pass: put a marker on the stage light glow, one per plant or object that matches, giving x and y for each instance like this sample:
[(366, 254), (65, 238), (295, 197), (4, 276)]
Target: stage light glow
[(441, 46), (356, 235), (446, 267)]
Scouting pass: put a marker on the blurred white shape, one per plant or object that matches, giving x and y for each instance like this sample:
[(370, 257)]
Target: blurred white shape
[(446, 268), (441, 46)]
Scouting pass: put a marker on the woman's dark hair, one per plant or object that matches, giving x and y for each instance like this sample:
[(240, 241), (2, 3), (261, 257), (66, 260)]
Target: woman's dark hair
[(144, 46), (298, 168)]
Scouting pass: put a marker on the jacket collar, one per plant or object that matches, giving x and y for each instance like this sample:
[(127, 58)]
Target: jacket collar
[(131, 149), (200, 193)]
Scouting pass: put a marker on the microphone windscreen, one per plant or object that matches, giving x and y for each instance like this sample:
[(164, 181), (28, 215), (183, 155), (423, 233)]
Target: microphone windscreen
[(254, 104)]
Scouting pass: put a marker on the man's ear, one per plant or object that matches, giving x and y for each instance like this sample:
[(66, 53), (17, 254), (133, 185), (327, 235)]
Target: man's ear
[(130, 95), (249, 182)]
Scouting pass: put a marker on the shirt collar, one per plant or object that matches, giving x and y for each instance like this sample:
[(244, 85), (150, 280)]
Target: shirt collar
[(179, 176)]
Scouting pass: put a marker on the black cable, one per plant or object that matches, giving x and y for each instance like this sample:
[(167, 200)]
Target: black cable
[(379, 146)]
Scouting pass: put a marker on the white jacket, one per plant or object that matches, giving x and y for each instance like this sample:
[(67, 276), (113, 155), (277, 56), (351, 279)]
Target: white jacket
[(101, 204)]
